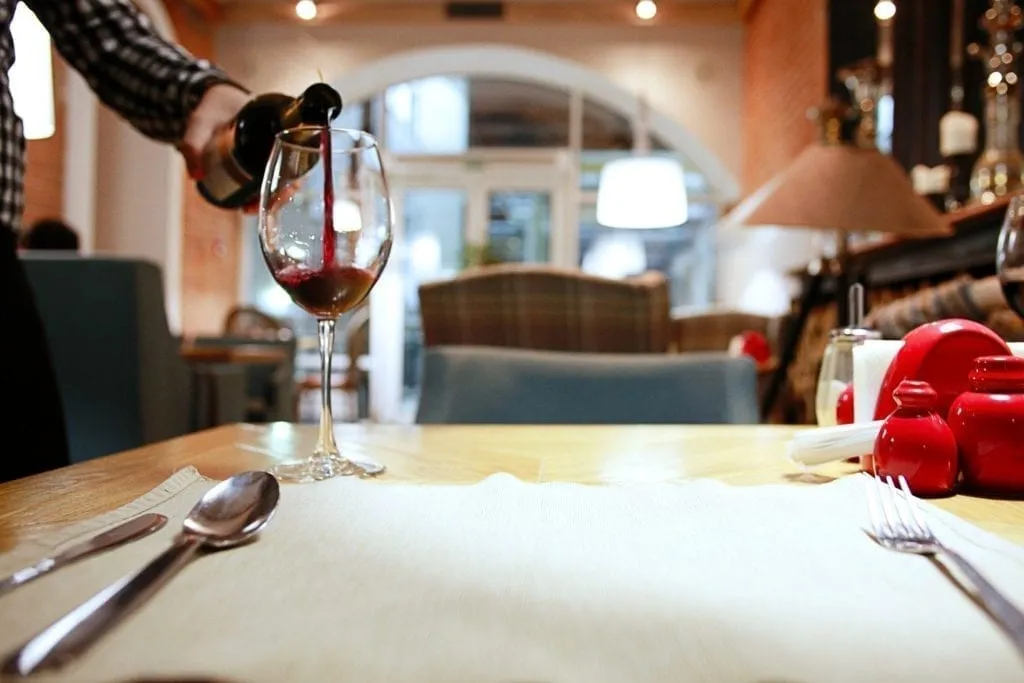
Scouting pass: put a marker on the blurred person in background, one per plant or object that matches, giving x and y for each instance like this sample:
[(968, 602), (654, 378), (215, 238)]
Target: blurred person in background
[(166, 94), (49, 234)]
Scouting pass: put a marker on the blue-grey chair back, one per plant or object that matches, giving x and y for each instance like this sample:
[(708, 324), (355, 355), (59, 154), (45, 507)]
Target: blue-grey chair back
[(489, 385), (121, 377)]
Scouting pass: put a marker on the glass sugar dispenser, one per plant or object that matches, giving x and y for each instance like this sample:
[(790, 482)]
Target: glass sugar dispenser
[(835, 380)]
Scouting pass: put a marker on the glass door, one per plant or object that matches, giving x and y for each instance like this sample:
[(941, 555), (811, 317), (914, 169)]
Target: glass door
[(451, 214), (434, 225), (519, 225)]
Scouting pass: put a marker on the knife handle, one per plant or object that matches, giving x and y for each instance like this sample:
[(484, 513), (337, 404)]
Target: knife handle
[(23, 576), (73, 634)]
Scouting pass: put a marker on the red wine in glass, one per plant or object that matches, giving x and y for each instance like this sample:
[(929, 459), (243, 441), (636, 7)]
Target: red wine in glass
[(1010, 256), (1013, 292), (326, 292)]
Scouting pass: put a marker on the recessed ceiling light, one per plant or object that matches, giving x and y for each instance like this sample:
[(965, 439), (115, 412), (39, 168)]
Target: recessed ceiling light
[(646, 9), (305, 9), (885, 10)]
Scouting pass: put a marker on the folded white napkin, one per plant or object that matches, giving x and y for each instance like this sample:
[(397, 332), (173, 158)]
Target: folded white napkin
[(511, 582)]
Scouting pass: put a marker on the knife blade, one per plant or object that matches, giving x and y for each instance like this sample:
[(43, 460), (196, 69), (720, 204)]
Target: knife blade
[(132, 530)]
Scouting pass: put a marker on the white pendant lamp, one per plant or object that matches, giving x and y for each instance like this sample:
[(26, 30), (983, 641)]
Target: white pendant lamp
[(642, 191), (31, 76)]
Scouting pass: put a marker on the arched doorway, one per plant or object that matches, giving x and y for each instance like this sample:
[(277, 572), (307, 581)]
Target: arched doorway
[(516, 63), (122, 191)]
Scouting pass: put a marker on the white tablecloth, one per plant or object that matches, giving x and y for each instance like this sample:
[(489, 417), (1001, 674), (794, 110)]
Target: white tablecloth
[(511, 582)]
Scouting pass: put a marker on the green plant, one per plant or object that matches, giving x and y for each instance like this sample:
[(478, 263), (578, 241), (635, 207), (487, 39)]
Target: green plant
[(474, 255)]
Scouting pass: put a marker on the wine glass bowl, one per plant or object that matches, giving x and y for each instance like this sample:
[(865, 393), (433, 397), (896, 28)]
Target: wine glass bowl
[(1010, 256), (325, 225)]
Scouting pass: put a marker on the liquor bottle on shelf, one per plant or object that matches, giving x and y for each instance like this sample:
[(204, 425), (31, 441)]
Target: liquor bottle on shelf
[(235, 162), (958, 144), (999, 170), (958, 130)]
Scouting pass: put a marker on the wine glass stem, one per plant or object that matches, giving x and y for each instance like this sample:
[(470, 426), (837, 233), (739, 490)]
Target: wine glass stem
[(326, 446)]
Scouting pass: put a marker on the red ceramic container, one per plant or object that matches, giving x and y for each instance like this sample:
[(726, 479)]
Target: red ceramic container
[(988, 423), (916, 442), (844, 406), (844, 411), (941, 353)]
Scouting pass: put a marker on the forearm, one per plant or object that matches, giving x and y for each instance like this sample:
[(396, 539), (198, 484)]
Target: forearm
[(134, 71)]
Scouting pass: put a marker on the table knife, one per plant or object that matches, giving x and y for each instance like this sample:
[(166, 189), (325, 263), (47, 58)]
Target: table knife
[(133, 529)]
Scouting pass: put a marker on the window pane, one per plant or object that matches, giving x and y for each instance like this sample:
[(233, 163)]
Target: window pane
[(507, 113), (428, 116), (520, 226), (353, 115), (606, 129), (434, 227)]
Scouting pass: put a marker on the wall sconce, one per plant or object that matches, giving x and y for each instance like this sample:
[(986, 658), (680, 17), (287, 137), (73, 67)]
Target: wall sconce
[(31, 76)]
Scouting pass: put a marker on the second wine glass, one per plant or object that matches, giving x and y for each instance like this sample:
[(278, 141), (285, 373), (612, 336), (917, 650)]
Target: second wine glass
[(1010, 256), (325, 226)]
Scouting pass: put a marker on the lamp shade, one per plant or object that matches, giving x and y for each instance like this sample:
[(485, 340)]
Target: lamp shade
[(31, 76), (843, 188), (642, 192)]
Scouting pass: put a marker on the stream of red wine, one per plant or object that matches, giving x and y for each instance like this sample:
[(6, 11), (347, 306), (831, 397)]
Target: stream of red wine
[(329, 237)]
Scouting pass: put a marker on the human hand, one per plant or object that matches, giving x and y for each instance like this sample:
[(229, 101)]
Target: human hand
[(218, 108)]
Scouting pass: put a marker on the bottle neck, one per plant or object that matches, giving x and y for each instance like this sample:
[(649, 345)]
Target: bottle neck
[(1002, 122)]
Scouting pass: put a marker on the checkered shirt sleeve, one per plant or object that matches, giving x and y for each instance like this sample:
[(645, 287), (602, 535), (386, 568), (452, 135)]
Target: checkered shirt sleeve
[(133, 71)]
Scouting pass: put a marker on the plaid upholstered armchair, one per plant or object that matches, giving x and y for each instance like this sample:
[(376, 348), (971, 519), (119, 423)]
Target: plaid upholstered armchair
[(547, 308)]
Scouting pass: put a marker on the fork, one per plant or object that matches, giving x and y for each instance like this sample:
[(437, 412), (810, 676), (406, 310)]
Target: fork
[(897, 524)]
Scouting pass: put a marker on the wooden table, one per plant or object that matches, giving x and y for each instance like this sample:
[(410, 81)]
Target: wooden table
[(450, 454), (242, 354)]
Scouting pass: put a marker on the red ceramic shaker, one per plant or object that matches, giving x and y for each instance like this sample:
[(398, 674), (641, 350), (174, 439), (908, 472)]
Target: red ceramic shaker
[(988, 423), (844, 406), (916, 442), (844, 411)]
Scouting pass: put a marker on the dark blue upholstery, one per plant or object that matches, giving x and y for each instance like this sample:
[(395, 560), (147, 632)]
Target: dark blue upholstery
[(121, 377), (487, 385)]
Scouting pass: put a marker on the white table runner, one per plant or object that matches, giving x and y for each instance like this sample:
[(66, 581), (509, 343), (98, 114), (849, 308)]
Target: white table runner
[(511, 582)]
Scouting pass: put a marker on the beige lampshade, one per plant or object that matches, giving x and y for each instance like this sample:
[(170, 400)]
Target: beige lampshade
[(843, 188)]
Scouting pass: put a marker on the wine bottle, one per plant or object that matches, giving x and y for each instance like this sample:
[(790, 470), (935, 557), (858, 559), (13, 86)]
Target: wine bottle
[(235, 161), (958, 145)]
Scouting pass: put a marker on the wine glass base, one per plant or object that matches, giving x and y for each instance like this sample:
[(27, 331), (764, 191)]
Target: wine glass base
[(320, 468)]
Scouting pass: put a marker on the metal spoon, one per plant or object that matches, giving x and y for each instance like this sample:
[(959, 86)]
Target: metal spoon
[(230, 514)]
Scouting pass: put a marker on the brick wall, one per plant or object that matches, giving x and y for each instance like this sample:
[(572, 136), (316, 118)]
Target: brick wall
[(786, 73), (211, 240), (44, 174)]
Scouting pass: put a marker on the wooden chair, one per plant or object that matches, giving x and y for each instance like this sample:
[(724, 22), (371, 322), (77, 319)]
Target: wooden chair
[(547, 308), (252, 323)]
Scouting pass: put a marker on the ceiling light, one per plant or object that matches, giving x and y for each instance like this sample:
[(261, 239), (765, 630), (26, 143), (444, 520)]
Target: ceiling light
[(646, 9), (305, 10), (642, 191), (885, 10)]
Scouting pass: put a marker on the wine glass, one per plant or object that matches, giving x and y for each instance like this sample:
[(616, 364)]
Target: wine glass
[(1010, 256), (325, 231)]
